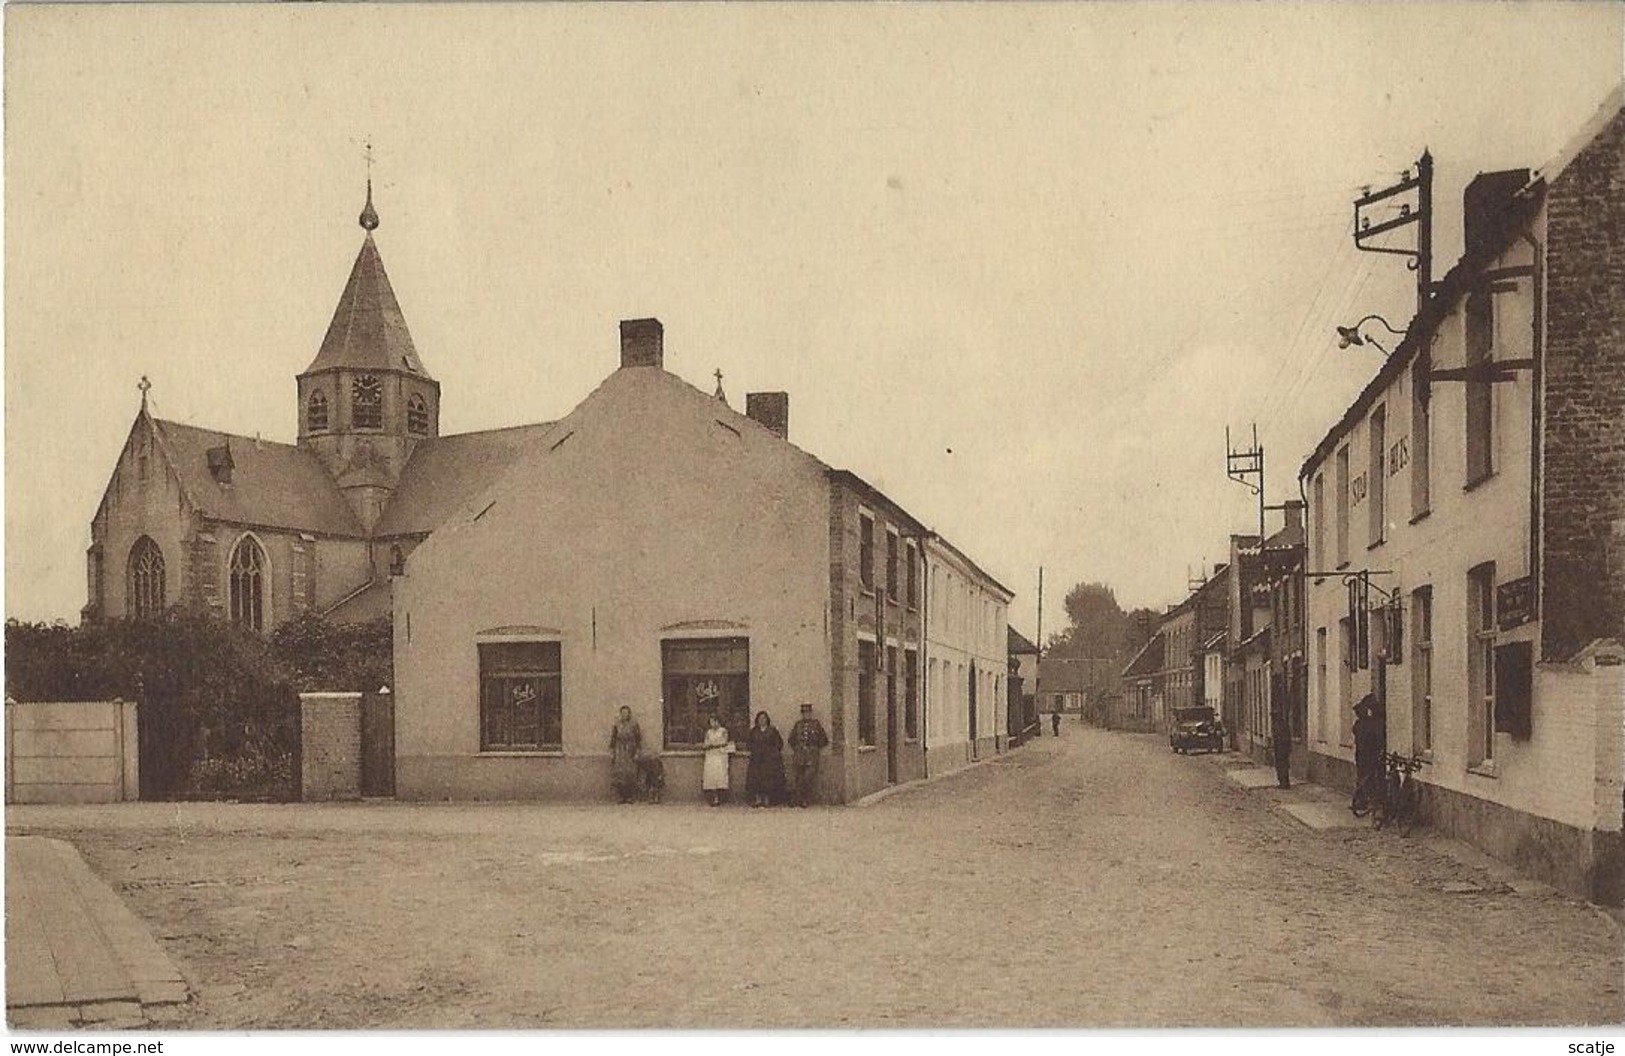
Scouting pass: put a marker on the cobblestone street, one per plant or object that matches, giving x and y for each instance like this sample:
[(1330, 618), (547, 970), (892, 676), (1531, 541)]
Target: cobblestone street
[(1095, 880)]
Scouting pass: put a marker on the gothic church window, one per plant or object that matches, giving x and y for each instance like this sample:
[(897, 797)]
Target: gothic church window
[(146, 599), (417, 415), (367, 403), (316, 413), (248, 584)]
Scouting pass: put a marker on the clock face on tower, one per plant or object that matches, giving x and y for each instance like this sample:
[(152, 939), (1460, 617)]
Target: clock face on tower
[(367, 402)]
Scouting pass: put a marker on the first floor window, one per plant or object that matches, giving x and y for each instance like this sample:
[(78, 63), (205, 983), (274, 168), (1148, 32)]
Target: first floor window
[(866, 693), (866, 551), (1422, 668), (521, 703), (703, 677), (1481, 662), (1321, 701), (1345, 682), (911, 694), (146, 579), (247, 586)]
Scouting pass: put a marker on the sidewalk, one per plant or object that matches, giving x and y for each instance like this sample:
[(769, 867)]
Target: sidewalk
[(1323, 809), (75, 954)]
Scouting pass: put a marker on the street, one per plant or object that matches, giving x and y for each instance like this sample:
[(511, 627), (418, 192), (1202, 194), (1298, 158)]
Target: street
[(1089, 881)]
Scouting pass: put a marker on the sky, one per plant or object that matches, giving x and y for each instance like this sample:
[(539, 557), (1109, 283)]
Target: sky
[(1019, 266)]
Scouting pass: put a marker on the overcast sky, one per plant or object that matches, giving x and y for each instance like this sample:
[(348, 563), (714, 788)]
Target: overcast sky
[(1018, 266)]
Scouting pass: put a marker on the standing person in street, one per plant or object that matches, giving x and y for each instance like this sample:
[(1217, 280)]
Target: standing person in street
[(1368, 741), (714, 778), (807, 740), (1280, 733), (625, 745), (1055, 721), (764, 777)]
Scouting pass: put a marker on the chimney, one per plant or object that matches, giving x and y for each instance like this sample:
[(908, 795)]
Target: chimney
[(772, 409), (1483, 203), (1292, 511), (642, 342)]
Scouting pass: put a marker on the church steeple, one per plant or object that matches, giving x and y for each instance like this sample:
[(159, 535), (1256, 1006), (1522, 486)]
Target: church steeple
[(366, 400)]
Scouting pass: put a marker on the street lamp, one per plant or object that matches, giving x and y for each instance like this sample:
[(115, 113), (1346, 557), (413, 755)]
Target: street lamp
[(1350, 335)]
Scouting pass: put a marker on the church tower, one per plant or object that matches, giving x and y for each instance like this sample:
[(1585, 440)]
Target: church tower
[(365, 400)]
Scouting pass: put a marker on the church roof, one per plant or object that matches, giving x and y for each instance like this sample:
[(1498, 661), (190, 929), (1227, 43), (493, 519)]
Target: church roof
[(368, 330), (274, 485), (447, 471)]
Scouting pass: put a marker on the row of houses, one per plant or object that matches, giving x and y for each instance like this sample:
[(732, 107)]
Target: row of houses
[(1457, 548), (655, 548)]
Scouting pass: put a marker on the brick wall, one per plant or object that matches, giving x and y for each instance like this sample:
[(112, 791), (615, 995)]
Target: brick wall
[(1583, 424), (330, 746)]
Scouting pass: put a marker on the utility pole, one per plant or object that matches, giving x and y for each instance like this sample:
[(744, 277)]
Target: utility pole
[(1038, 673), (1418, 212)]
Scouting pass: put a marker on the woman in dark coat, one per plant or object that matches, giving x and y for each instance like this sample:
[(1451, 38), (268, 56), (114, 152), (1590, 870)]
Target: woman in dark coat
[(764, 777)]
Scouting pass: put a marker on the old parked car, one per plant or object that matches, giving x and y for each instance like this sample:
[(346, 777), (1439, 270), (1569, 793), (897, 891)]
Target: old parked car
[(1196, 728)]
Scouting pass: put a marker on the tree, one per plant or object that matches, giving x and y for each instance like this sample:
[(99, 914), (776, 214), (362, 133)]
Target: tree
[(1096, 624)]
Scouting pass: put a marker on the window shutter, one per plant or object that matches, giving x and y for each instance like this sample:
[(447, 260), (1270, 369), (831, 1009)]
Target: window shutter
[(1514, 674)]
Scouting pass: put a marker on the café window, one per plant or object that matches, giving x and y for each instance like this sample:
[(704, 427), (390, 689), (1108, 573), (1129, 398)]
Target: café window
[(521, 699), (703, 677)]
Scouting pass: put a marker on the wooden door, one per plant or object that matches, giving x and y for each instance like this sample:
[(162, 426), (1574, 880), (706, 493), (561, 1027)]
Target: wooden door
[(377, 744)]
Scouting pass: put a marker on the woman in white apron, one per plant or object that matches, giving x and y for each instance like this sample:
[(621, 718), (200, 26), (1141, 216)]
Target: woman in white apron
[(714, 780)]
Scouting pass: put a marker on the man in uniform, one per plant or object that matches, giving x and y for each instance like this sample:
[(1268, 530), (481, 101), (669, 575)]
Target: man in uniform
[(807, 740)]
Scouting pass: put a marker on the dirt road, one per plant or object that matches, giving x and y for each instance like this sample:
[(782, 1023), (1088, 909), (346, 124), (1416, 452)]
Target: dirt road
[(1094, 880)]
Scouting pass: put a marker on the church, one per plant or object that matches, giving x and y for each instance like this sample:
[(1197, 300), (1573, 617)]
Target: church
[(258, 532)]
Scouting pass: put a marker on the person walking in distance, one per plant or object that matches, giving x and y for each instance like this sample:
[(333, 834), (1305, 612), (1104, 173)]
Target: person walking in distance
[(1055, 722), (807, 740)]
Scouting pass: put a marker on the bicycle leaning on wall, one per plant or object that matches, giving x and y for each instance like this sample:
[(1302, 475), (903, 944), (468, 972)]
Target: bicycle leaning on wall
[(1401, 793)]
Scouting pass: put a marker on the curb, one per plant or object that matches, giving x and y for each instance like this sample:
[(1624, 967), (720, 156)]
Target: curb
[(891, 790)]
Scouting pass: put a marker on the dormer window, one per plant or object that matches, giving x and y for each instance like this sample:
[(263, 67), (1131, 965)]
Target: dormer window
[(417, 415), (367, 403), (316, 413)]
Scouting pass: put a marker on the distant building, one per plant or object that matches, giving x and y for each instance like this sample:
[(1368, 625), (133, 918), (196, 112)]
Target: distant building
[(1469, 513), (1073, 685), (1142, 706), (1023, 706), (967, 658)]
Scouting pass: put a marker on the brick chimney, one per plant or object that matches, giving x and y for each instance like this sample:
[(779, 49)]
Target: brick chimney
[(1483, 203), (772, 409), (642, 343), (1292, 512)]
